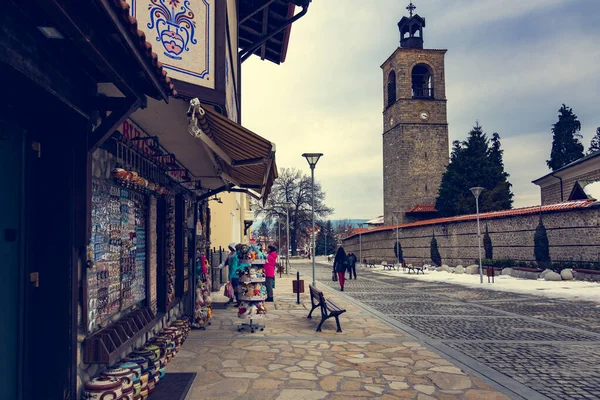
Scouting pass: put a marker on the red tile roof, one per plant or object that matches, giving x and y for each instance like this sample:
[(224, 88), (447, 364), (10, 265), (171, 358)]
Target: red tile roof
[(122, 8), (570, 205), (422, 208)]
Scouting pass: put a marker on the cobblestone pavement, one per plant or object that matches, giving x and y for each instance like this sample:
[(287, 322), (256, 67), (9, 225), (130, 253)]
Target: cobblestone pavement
[(290, 361), (551, 346)]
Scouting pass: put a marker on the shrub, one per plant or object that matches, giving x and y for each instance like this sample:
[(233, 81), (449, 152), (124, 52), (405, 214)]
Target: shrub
[(436, 258), (398, 251), (541, 246), (487, 245)]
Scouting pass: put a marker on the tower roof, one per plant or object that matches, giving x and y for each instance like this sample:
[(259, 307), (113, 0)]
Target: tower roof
[(411, 29)]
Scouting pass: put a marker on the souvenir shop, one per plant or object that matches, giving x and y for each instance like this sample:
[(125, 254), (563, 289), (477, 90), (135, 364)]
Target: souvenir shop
[(142, 270)]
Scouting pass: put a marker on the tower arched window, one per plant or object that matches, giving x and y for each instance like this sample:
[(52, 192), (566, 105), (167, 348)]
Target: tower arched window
[(422, 82), (391, 88)]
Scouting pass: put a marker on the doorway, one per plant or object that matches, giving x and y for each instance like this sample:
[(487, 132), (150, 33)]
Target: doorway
[(11, 267)]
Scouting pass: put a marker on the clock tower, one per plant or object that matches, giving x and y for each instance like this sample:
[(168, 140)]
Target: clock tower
[(415, 125)]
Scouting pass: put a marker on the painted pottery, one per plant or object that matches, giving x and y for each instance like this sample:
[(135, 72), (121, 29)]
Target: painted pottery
[(154, 349), (133, 367), (103, 388), (163, 362), (151, 384), (129, 394), (141, 361), (137, 387), (144, 379), (162, 373), (125, 375), (150, 355), (144, 394)]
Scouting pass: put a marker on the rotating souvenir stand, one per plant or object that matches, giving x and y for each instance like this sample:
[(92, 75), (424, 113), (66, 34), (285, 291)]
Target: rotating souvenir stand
[(252, 304)]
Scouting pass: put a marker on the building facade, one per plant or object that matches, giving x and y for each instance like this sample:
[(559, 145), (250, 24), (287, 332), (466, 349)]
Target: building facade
[(415, 125), (106, 170), (570, 181)]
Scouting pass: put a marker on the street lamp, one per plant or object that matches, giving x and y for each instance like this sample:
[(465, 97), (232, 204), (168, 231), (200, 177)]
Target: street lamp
[(396, 246), (360, 224), (287, 205), (476, 192), (313, 159)]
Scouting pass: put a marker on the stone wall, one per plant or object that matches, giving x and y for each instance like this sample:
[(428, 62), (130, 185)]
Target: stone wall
[(574, 235)]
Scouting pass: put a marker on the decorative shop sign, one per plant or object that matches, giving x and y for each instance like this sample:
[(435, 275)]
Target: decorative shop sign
[(182, 33)]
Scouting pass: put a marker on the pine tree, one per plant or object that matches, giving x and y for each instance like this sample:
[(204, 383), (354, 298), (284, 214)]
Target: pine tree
[(541, 245), (475, 162), (566, 146), (487, 244), (436, 258), (595, 143)]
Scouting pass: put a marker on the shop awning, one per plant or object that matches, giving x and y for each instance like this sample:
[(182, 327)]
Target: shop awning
[(218, 153), (242, 157)]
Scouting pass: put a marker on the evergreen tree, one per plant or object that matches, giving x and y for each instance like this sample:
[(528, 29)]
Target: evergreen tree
[(487, 244), (566, 146), (436, 257), (320, 240), (595, 143), (541, 246), (331, 242), (475, 162), (398, 252)]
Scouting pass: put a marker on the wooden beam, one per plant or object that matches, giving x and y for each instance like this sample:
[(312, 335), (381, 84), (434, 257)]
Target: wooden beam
[(142, 59), (253, 13), (110, 124), (265, 24), (21, 52)]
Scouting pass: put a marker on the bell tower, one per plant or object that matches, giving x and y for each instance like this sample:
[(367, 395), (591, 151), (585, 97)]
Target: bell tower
[(415, 125)]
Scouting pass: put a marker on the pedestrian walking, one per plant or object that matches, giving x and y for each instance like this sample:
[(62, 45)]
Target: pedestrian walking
[(351, 265), (270, 271), (340, 264), (229, 262), (234, 267)]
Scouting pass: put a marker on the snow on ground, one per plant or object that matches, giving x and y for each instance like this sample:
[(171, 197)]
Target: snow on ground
[(573, 290)]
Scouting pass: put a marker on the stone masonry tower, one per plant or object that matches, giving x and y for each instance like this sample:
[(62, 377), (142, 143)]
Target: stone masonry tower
[(415, 125)]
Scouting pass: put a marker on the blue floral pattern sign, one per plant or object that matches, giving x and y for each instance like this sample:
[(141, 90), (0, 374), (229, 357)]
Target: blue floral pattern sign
[(182, 34)]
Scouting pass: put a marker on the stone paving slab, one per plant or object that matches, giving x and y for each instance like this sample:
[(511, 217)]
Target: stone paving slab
[(552, 369), (289, 360), (549, 346)]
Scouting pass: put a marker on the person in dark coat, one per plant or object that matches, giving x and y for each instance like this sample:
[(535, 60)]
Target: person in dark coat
[(351, 265), (339, 265)]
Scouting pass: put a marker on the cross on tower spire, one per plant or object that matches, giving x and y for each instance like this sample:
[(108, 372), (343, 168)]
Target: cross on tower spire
[(411, 8)]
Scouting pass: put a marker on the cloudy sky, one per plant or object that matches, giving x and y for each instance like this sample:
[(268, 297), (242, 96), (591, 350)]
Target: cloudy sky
[(510, 65)]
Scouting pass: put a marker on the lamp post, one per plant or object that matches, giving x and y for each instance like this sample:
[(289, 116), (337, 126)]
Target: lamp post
[(476, 192), (313, 159), (287, 226), (396, 214), (360, 225)]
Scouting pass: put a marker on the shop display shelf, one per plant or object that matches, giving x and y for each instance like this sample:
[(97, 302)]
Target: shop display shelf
[(255, 280), (106, 345), (253, 298)]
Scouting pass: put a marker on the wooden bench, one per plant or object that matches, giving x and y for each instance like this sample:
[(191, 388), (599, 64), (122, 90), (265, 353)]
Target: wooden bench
[(388, 265), (369, 264), (328, 308), (416, 269)]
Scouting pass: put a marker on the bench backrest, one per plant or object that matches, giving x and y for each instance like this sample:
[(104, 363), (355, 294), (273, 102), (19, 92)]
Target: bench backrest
[(314, 292)]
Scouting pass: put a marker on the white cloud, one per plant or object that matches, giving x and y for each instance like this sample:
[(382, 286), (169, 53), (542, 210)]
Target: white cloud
[(327, 96)]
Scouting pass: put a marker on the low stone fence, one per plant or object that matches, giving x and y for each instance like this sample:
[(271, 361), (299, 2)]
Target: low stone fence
[(574, 235)]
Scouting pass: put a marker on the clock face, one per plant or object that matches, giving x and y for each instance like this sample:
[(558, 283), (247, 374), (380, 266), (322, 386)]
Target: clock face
[(424, 115)]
